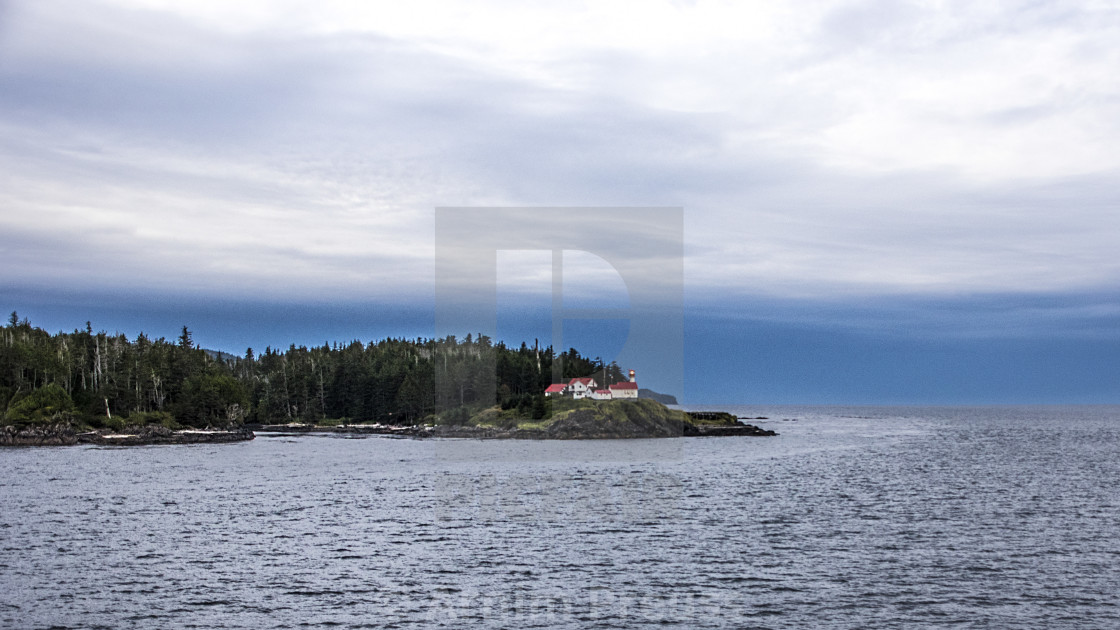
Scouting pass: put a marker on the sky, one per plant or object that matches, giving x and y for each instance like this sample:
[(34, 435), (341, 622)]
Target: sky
[(885, 202)]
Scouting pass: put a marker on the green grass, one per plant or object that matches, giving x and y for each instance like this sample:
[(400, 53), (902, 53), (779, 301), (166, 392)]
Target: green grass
[(724, 419), (534, 424), (605, 411)]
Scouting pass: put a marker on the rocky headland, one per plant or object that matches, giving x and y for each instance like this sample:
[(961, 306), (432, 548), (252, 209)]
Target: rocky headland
[(590, 420)]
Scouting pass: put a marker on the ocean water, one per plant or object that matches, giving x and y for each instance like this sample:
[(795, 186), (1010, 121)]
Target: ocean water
[(851, 518)]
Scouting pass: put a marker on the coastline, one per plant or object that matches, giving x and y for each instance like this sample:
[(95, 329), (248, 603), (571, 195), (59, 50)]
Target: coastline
[(621, 420), (66, 435), (56, 436), (637, 419), (497, 433)]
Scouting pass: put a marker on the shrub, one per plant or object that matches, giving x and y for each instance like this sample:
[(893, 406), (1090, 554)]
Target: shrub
[(115, 423), (44, 405), (162, 418), (455, 417)]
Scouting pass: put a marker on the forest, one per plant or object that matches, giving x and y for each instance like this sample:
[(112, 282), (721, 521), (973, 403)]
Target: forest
[(107, 380)]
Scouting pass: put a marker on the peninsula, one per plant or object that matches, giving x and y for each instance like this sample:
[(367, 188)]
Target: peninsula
[(566, 420), (101, 388)]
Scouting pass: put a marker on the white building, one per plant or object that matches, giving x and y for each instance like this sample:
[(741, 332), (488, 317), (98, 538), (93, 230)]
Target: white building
[(601, 394), (586, 387), (628, 389), (582, 387)]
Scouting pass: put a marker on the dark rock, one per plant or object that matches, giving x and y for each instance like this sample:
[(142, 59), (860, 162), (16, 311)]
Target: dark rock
[(736, 429), (351, 429), (38, 435), (484, 433), (155, 434), (622, 419), (721, 417), (65, 435), (585, 424)]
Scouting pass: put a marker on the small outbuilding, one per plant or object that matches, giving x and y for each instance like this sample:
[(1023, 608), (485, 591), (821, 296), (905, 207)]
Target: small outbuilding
[(601, 394)]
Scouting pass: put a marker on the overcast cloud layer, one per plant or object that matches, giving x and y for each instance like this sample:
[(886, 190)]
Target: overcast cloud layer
[(821, 150)]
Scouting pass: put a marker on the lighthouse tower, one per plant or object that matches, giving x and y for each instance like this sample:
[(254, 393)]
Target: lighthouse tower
[(625, 390)]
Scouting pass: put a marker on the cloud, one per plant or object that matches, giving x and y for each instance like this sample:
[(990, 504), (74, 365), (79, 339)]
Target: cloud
[(846, 149), (1053, 316), (927, 233)]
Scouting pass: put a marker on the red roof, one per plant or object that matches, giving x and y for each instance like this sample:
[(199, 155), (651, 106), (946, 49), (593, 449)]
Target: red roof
[(553, 389), (602, 391), (586, 380), (625, 385)]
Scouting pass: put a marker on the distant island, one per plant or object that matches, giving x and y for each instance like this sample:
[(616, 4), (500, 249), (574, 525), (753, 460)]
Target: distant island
[(664, 399), (82, 386)]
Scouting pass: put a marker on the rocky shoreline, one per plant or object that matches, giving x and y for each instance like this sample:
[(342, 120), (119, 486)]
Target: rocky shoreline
[(575, 427), (41, 435), (582, 425), (599, 433), (161, 435), (349, 429), (66, 435)]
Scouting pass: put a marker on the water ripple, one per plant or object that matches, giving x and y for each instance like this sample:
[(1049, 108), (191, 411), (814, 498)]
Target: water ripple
[(871, 518)]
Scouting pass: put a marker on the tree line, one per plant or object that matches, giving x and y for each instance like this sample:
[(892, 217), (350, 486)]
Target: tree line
[(108, 380)]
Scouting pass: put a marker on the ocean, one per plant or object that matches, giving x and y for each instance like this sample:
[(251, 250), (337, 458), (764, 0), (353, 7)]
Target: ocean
[(905, 517)]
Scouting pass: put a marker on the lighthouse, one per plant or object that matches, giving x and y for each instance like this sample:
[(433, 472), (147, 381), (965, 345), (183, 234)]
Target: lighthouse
[(625, 390)]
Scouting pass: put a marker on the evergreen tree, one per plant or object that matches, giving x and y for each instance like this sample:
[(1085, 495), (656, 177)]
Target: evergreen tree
[(393, 380)]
